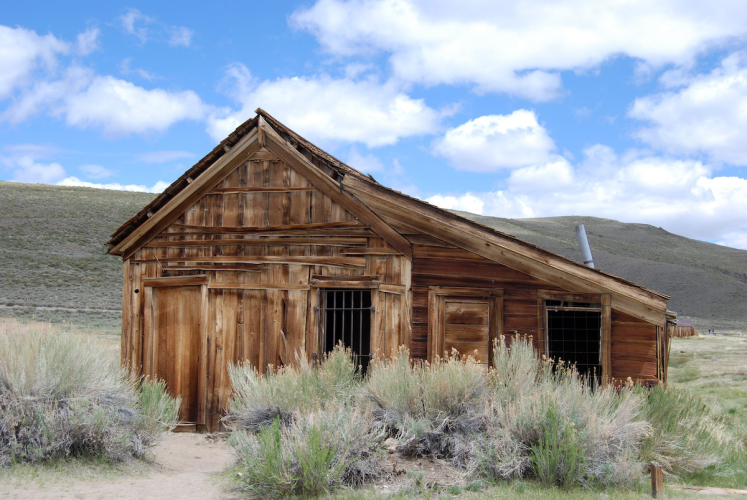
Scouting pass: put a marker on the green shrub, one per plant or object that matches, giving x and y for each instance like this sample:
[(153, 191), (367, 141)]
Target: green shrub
[(548, 422), (313, 454), (260, 399), (433, 409), (687, 433), (63, 395), (558, 458)]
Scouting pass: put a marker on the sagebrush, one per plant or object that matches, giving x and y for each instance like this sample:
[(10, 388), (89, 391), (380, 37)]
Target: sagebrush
[(306, 429), (62, 394)]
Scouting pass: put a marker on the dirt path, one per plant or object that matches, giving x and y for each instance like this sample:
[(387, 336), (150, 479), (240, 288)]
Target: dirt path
[(184, 463)]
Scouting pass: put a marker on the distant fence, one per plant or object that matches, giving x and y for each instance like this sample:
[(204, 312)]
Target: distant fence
[(682, 331)]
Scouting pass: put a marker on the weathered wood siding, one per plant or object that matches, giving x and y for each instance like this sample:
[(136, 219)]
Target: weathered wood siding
[(259, 236), (448, 266), (634, 346)]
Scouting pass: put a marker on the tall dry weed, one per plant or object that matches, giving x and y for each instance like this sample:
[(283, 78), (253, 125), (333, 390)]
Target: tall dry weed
[(279, 394), (688, 433), (62, 395), (432, 409), (549, 422)]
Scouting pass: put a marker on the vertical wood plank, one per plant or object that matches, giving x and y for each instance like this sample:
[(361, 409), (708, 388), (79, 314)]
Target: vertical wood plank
[(606, 360), (137, 319), (432, 325), (542, 328), (312, 320), (202, 360), (378, 343), (126, 339)]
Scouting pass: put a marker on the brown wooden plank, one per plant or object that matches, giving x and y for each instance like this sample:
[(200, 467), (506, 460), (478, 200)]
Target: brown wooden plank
[(273, 327), (425, 239), (259, 241), (634, 369), (356, 232), (389, 288), (370, 251), (275, 259), (240, 285), (465, 269), (202, 357), (253, 327), (468, 349), (126, 338), (467, 333), (521, 324), (633, 333), (245, 268), (261, 189), (441, 253), (270, 228), (199, 279), (570, 297), (606, 339), (470, 313)]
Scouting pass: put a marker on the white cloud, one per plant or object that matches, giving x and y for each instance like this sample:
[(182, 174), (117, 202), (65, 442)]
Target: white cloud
[(88, 41), (96, 171), (21, 52), (119, 107), (493, 142), (467, 202), (518, 47), (163, 156), (23, 162), (115, 186), (179, 36), (683, 196), (133, 21), (327, 110), (125, 69), (735, 239), (48, 95), (368, 164), (708, 115)]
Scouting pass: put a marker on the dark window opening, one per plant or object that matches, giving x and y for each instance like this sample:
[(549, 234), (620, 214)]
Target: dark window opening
[(574, 334), (347, 319)]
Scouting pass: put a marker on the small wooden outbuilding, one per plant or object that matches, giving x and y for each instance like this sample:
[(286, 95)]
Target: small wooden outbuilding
[(269, 248)]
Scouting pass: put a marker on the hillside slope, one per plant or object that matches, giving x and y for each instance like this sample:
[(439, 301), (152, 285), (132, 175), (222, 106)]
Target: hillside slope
[(54, 266), (53, 254), (706, 281)]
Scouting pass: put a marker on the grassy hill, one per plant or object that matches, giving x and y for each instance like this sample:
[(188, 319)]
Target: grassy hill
[(54, 266), (53, 261)]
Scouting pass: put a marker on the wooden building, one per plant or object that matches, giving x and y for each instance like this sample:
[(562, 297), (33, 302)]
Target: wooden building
[(269, 248)]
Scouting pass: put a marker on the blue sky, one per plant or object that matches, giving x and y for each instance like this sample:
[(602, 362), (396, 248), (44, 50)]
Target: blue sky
[(632, 110)]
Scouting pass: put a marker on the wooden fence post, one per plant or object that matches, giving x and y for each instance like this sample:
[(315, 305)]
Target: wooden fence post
[(657, 480)]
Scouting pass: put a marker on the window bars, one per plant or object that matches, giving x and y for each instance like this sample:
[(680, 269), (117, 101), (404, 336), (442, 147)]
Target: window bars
[(347, 319), (574, 334)]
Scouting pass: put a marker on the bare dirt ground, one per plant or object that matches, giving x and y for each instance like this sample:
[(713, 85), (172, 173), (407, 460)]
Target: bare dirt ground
[(182, 469)]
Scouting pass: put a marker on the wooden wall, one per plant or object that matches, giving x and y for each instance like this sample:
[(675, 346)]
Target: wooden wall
[(437, 263), (260, 236), (634, 347)]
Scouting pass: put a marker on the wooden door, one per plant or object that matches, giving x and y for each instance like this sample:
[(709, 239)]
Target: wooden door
[(171, 350), (467, 320)]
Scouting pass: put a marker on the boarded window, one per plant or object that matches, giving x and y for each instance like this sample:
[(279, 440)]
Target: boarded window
[(575, 335), (347, 319)]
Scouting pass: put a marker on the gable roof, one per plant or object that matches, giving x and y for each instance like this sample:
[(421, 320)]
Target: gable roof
[(376, 204)]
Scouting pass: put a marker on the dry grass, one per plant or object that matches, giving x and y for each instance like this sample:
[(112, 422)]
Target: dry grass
[(62, 395), (524, 419)]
